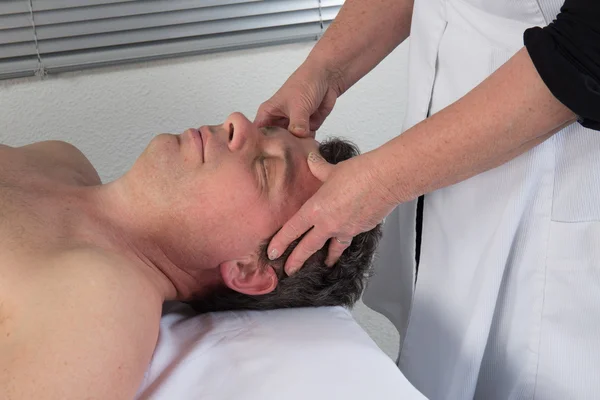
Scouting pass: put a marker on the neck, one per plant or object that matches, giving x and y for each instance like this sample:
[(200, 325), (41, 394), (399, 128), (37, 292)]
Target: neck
[(119, 221)]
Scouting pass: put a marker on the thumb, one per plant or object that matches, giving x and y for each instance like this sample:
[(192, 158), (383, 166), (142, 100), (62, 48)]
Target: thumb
[(319, 167), (299, 118)]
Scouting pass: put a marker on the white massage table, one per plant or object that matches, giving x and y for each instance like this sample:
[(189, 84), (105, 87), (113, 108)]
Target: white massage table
[(298, 354)]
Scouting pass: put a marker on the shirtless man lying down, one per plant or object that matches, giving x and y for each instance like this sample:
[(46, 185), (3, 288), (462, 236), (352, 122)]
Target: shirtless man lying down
[(85, 267)]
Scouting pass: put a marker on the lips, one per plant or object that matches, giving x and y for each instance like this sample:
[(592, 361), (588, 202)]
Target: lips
[(198, 141)]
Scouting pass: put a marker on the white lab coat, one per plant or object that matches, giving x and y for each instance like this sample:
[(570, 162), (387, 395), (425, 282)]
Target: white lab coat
[(507, 300)]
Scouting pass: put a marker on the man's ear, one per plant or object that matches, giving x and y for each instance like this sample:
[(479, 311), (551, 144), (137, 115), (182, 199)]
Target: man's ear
[(245, 276)]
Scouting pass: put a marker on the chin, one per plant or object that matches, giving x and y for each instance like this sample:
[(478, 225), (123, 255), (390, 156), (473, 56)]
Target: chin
[(165, 140), (158, 155), (163, 145)]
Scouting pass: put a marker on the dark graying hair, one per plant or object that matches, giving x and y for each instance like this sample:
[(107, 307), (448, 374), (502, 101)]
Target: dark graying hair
[(315, 284)]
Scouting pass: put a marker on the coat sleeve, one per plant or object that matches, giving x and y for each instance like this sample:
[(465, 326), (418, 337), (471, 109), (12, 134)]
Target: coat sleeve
[(566, 54)]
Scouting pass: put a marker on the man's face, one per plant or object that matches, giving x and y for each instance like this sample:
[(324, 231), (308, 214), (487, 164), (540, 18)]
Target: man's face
[(226, 188)]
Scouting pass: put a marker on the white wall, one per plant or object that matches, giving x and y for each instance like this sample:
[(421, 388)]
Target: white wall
[(111, 113)]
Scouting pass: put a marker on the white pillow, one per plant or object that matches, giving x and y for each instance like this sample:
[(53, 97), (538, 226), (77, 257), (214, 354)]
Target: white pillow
[(312, 353)]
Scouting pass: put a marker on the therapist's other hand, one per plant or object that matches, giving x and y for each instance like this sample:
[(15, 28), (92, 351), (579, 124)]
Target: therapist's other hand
[(352, 200), (302, 103)]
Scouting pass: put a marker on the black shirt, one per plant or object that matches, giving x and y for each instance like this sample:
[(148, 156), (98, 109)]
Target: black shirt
[(566, 54)]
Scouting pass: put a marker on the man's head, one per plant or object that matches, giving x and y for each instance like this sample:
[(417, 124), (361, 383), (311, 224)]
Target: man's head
[(314, 285), (224, 190)]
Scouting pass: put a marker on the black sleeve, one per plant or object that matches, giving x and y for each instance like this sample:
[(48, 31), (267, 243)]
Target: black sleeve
[(566, 54)]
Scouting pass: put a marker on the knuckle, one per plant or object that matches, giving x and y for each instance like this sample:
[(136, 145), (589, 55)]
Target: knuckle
[(334, 254), (305, 219), (338, 252), (316, 208), (290, 233), (307, 251), (270, 106), (296, 262)]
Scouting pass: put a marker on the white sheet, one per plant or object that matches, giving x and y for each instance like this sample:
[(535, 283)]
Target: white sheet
[(294, 354)]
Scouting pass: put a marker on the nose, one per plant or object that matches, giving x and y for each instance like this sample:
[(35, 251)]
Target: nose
[(240, 131)]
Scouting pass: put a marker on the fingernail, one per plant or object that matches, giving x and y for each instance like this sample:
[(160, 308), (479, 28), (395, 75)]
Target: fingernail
[(298, 128), (291, 271), (273, 254), (314, 157)]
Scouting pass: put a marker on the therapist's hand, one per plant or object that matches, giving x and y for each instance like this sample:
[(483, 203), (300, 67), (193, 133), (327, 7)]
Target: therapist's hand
[(353, 199), (302, 103)]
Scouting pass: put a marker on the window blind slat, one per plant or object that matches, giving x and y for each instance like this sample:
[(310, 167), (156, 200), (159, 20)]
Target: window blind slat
[(20, 6), (166, 33), (80, 34), (91, 13), (152, 20), (151, 51)]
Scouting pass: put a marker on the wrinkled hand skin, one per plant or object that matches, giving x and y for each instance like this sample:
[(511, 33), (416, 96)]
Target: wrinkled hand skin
[(353, 199), (302, 103)]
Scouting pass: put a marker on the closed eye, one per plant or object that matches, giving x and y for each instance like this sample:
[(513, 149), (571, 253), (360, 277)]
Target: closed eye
[(262, 171), (265, 170)]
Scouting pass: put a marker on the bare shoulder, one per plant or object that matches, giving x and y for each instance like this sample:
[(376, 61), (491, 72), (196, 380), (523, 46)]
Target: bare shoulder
[(59, 153), (82, 328)]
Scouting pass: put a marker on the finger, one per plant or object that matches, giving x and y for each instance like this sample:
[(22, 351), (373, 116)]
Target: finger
[(291, 231), (336, 248), (266, 115), (299, 118), (262, 118), (309, 245), (319, 167), (280, 122)]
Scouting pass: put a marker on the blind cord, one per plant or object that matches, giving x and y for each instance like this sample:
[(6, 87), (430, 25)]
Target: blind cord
[(320, 17), (40, 70)]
